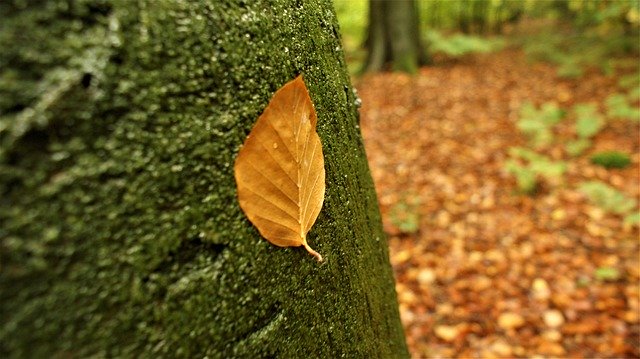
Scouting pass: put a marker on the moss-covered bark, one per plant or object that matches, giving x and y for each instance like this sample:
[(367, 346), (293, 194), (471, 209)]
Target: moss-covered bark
[(121, 234)]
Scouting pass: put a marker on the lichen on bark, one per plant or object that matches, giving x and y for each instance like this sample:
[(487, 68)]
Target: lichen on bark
[(121, 234)]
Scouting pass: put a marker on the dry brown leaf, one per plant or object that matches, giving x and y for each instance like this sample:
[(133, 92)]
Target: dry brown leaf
[(280, 169)]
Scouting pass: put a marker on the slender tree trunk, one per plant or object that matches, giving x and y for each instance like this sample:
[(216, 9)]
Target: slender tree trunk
[(480, 15), (463, 18), (377, 43), (394, 36), (437, 11), (121, 234), (498, 21)]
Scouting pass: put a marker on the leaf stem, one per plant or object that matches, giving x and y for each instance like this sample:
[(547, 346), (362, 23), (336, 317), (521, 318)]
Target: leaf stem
[(314, 253)]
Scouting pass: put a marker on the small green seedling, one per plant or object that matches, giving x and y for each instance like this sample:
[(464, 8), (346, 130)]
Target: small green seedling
[(537, 125), (528, 166), (632, 219), (460, 45), (404, 215), (618, 107), (607, 197), (588, 123), (607, 274), (577, 147)]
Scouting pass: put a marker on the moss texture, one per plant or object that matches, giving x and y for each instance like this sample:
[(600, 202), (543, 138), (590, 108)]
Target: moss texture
[(121, 234)]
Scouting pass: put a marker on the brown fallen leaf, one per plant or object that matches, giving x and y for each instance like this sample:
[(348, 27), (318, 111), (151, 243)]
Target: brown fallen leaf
[(553, 318), (449, 333), (280, 169), (510, 320)]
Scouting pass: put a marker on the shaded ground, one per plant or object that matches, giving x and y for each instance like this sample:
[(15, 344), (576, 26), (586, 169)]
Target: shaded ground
[(490, 273)]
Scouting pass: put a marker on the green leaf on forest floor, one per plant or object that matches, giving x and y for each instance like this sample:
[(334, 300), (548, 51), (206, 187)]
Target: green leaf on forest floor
[(537, 124), (527, 166), (589, 122), (607, 274), (404, 215), (611, 159), (634, 95), (632, 219), (539, 163), (525, 178), (630, 81), (576, 147), (608, 198), (618, 107), (570, 68)]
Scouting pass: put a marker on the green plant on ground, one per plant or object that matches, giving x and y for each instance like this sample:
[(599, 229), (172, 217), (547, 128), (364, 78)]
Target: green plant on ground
[(611, 159), (526, 179), (537, 124), (588, 123), (575, 51), (576, 147), (618, 106), (632, 219), (630, 81), (570, 68), (634, 95), (608, 198), (543, 47), (528, 167), (607, 274), (404, 215), (459, 45)]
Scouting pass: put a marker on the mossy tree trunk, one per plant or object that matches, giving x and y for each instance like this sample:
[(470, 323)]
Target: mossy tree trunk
[(393, 37), (121, 234)]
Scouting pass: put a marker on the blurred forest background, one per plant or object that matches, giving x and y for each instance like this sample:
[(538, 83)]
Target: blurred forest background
[(506, 161)]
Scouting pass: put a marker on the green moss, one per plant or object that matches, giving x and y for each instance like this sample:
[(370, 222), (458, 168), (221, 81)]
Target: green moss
[(611, 159), (121, 232)]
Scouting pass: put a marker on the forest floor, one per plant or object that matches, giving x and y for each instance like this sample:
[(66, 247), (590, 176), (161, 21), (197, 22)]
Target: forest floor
[(483, 271)]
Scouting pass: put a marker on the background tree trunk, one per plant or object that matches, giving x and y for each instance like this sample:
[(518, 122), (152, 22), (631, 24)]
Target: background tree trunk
[(121, 233), (463, 17), (394, 36)]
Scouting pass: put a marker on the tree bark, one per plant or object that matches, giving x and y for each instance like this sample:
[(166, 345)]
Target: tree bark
[(394, 36), (463, 17), (121, 234), (480, 15)]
